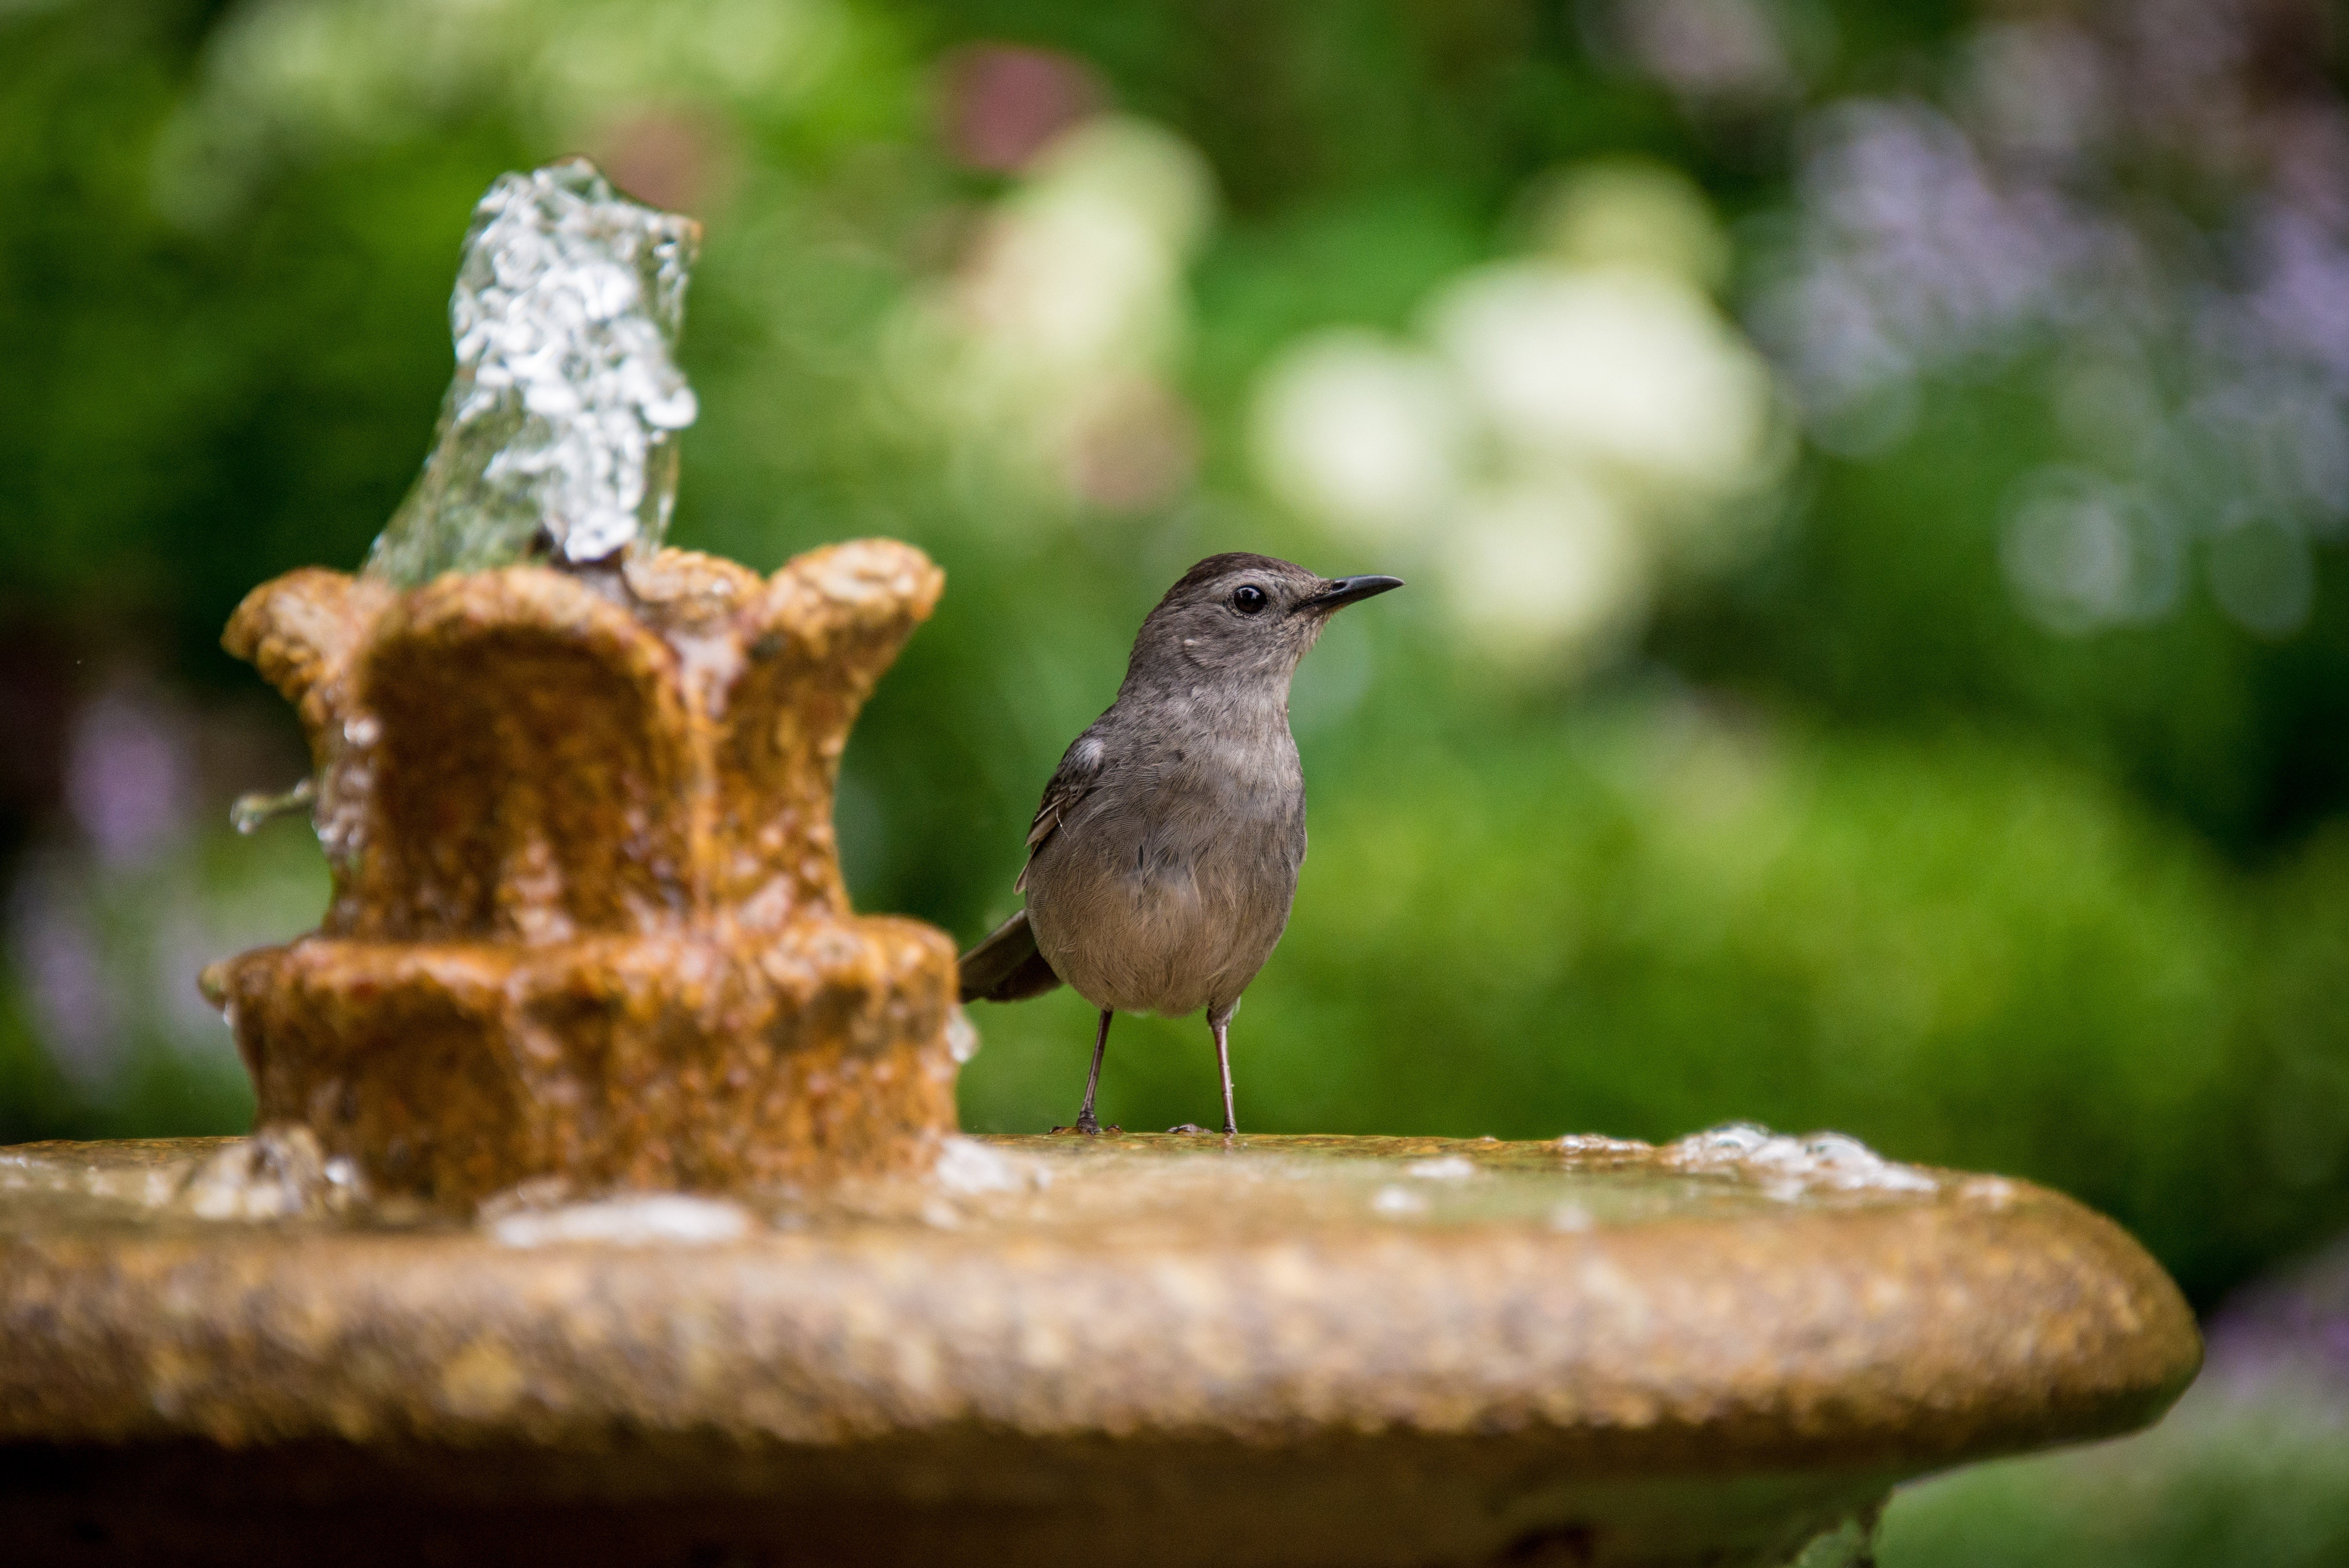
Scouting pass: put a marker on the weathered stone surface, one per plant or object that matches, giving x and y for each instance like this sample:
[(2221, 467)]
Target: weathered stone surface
[(1261, 1350), (588, 921)]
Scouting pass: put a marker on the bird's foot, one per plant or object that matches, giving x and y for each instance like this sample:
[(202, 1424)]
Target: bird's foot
[(1192, 1128), (1089, 1127)]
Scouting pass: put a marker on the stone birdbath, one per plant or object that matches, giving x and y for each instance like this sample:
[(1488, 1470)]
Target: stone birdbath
[(605, 1204)]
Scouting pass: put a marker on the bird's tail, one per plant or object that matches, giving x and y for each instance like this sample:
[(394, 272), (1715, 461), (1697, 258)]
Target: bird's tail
[(1005, 966)]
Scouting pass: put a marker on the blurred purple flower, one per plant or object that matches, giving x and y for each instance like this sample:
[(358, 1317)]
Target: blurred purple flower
[(2061, 208), (2293, 1323), (2300, 295), (1911, 254), (129, 776), (59, 957)]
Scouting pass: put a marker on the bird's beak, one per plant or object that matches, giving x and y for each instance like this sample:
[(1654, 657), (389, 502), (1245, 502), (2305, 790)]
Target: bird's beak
[(1346, 591)]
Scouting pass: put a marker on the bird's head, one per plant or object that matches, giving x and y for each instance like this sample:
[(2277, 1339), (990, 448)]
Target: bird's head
[(1242, 616)]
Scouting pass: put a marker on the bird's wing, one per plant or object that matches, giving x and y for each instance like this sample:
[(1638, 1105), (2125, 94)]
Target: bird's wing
[(1080, 771), (1007, 966)]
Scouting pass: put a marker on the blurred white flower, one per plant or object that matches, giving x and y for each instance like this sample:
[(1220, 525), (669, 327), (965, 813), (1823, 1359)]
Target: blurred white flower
[(1081, 268), (1629, 212), (1156, 178), (1630, 368), (2082, 553), (1571, 422), (1362, 432), (1536, 571), (1060, 284), (1052, 342)]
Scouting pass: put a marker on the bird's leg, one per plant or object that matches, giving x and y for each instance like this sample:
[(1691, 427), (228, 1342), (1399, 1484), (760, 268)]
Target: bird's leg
[(1224, 1064), (1086, 1121)]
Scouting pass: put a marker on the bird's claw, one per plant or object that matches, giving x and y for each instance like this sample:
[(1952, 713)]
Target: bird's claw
[(1087, 1126)]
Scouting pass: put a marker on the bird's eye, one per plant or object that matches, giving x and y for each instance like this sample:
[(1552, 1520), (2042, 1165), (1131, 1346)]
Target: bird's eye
[(1248, 599)]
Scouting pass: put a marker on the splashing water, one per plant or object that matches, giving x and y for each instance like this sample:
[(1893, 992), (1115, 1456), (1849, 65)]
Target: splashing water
[(1781, 1167), (1791, 1167), (252, 810), (558, 435), (650, 1219)]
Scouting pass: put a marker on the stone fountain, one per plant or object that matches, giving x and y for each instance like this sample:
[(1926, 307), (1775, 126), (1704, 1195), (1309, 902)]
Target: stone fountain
[(575, 789), (604, 1201)]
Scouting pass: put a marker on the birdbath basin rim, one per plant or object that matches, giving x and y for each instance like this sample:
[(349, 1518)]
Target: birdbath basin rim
[(1520, 1337)]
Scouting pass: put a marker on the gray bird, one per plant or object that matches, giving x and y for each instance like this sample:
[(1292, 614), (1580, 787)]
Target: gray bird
[(1162, 865)]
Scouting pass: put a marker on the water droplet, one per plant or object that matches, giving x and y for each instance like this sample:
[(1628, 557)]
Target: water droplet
[(962, 1036), (252, 810)]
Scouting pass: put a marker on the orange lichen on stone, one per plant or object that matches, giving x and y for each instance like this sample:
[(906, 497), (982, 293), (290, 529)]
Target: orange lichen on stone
[(588, 921), (302, 632), (299, 631), (817, 639), (536, 765)]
